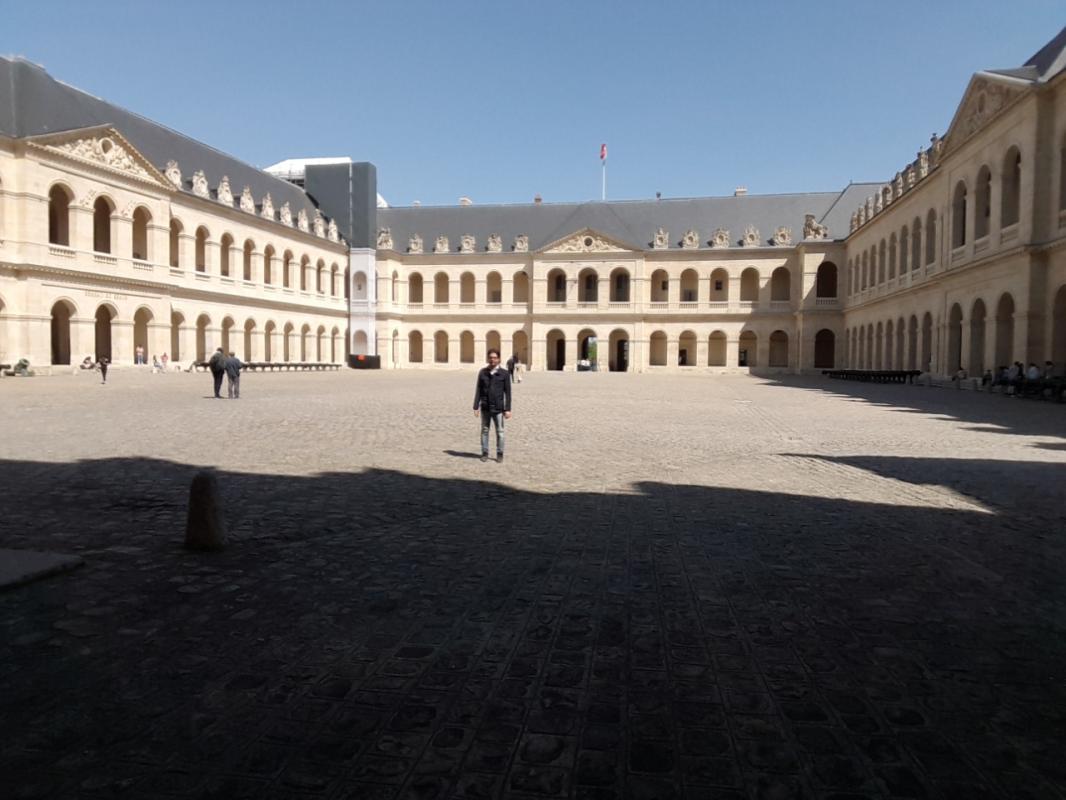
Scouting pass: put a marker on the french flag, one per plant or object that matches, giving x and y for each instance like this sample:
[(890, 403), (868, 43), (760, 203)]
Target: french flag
[(603, 152)]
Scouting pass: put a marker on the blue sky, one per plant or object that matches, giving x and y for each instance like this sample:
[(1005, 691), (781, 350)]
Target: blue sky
[(500, 101)]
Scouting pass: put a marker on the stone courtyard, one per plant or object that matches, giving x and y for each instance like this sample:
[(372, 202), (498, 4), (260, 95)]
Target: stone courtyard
[(675, 586)]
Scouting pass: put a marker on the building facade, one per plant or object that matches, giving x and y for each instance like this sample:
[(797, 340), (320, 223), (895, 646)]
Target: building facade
[(118, 234)]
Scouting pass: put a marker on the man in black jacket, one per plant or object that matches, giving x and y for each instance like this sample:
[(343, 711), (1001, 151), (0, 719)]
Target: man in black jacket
[(492, 401), (217, 365)]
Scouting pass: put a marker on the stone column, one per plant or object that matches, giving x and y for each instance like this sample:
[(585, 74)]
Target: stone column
[(121, 341), (80, 233), (762, 352), (455, 351), (734, 291), (571, 354), (703, 353), (158, 339), (603, 292), (186, 344), (158, 244), (212, 259), (121, 236), (672, 350), (673, 296), (186, 252), (732, 352)]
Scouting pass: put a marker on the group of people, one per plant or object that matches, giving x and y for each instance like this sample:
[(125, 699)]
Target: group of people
[(1018, 378), (229, 367)]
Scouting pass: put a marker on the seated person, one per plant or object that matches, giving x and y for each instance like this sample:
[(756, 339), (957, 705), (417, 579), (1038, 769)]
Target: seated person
[(88, 363)]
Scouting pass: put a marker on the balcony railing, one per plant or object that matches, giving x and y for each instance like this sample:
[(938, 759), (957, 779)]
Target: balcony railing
[(827, 302)]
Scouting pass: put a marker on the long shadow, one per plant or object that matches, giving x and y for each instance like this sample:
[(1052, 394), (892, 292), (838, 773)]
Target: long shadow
[(389, 635), (994, 413)]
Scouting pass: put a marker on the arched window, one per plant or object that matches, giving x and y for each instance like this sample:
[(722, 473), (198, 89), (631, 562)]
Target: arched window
[(958, 215), (982, 197), (201, 249), (414, 288), (930, 237), (749, 285), (892, 256), (141, 219), (904, 251), (719, 286), (778, 349), (59, 200), (466, 347), (286, 270), (686, 349), (102, 210), (360, 288), (414, 347), (320, 272), (334, 274), (657, 349), (466, 289), (690, 290), (176, 230), (394, 286), (881, 259), (826, 280), (588, 286), (556, 286), (305, 269), (520, 287), (494, 288), (781, 285), (1012, 187), (865, 271), (440, 289), (660, 287), (916, 244), (440, 347), (268, 265), (620, 285), (249, 251), (224, 249), (824, 349)]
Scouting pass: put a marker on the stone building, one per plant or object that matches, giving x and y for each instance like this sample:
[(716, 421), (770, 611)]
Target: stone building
[(115, 231)]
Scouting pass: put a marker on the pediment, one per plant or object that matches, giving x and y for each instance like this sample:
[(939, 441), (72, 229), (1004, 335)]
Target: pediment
[(985, 97), (586, 241), (102, 147)]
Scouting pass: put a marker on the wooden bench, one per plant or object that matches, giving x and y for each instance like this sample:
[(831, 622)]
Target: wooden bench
[(288, 366), (874, 375)]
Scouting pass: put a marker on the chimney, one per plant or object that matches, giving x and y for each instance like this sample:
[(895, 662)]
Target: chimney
[(658, 195), (465, 201), (537, 200), (740, 191)]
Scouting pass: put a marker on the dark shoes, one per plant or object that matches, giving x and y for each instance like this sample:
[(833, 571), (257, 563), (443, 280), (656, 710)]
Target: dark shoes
[(499, 458), (484, 456)]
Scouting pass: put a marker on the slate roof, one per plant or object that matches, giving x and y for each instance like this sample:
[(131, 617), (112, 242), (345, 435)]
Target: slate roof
[(33, 103), (632, 222), (1050, 59)]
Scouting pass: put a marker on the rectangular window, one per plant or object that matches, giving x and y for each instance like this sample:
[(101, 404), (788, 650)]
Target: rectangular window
[(718, 286)]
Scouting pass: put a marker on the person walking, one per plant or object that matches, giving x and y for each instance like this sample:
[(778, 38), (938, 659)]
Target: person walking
[(233, 376), (217, 365), (492, 402), (102, 362)]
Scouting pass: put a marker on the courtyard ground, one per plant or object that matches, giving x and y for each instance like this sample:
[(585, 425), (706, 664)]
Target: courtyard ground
[(675, 586)]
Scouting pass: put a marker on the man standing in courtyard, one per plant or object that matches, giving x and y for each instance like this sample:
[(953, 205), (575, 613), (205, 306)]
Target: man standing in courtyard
[(492, 401), (217, 365), (233, 377)]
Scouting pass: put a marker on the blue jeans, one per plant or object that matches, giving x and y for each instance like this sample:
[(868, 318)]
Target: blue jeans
[(488, 418)]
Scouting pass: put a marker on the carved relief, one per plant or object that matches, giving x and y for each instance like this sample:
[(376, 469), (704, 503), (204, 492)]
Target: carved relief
[(104, 150), (878, 203), (127, 212), (720, 238), (923, 164), (869, 208), (661, 240), (286, 214), (319, 224), (909, 177), (224, 195), (199, 184), (691, 239), (332, 233), (813, 230), (854, 221), (173, 174), (782, 236), (897, 187), (441, 245), (584, 243), (267, 211), (467, 243), (89, 199), (750, 237), (247, 202), (384, 239), (414, 244), (985, 100), (301, 221), (521, 243), (495, 243)]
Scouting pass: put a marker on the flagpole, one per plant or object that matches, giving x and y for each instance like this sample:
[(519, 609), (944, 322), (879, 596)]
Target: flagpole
[(603, 191)]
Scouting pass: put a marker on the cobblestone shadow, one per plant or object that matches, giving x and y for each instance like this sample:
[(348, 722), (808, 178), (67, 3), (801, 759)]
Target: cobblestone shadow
[(381, 634)]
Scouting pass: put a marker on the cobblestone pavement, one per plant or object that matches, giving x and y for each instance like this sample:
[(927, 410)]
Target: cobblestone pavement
[(675, 586)]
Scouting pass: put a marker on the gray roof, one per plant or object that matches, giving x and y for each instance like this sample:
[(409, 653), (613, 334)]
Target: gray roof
[(33, 103), (1050, 59), (631, 222)]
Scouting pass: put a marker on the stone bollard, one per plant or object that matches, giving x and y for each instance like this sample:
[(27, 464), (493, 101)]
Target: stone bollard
[(205, 528)]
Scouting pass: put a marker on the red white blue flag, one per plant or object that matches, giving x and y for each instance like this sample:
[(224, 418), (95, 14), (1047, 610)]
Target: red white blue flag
[(603, 152)]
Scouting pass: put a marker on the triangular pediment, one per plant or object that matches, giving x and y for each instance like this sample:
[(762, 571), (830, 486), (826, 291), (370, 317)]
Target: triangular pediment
[(987, 95), (586, 240), (103, 147)]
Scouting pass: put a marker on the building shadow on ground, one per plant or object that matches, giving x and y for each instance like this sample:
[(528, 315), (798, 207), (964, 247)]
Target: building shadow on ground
[(382, 634)]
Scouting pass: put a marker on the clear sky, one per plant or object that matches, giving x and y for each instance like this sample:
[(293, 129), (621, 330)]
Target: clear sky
[(503, 100)]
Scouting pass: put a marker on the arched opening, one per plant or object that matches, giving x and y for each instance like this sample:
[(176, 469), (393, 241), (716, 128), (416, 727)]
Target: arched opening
[(881, 261), (892, 256), (890, 340), (749, 285), (249, 340), (1058, 328), (660, 286), (927, 343), (102, 211), (59, 200), (916, 243), (414, 288), (824, 349), (227, 340), (878, 359), (1004, 331), (141, 219), (587, 346), (930, 237), (1012, 187), (719, 286), (175, 243), (466, 347), (286, 342), (268, 340), (305, 274), (520, 346), (620, 289), (225, 246), (690, 286), (492, 340), (520, 287), (320, 276), (440, 288), (177, 320), (860, 354), (104, 316), (657, 349), (201, 249), (202, 322), (716, 349), (588, 286), (912, 343), (466, 288), (864, 280), (61, 314), (556, 354), (320, 344), (494, 288), (955, 339), (359, 286), (286, 270), (347, 284), (394, 288), (900, 348), (246, 264), (958, 215), (977, 338), (334, 336), (556, 286), (904, 251), (618, 343), (781, 285), (268, 265), (141, 319), (334, 276), (872, 352), (440, 347), (825, 282), (414, 347), (778, 349), (748, 349), (982, 199), (686, 349), (305, 342)]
